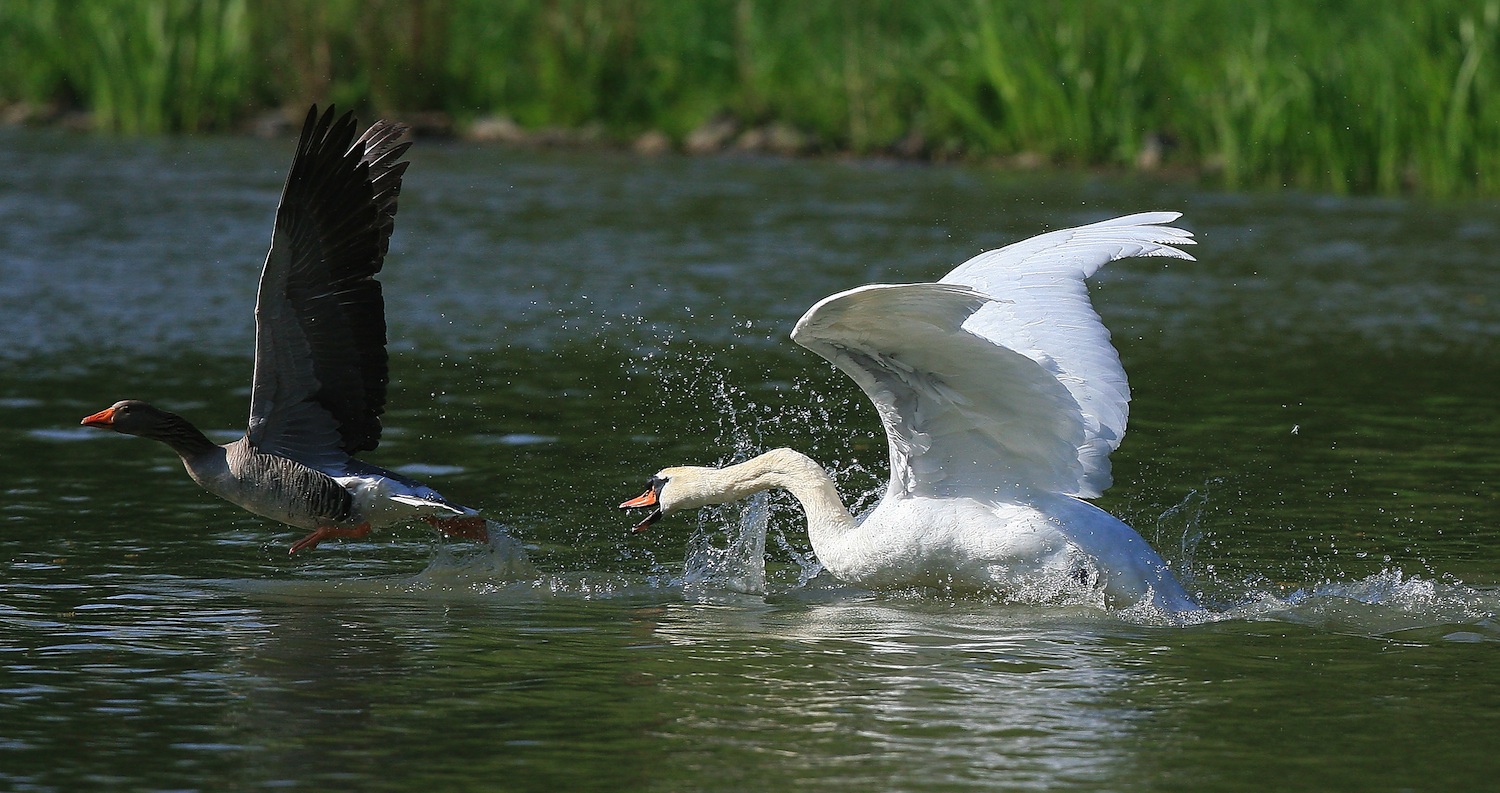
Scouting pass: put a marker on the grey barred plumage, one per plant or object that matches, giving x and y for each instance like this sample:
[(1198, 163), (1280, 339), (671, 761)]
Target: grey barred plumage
[(289, 491)]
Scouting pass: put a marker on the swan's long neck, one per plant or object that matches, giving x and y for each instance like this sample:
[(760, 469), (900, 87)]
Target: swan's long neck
[(804, 479)]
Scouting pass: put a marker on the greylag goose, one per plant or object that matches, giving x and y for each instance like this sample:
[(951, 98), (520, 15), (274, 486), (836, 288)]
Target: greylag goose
[(320, 374), (1001, 399)]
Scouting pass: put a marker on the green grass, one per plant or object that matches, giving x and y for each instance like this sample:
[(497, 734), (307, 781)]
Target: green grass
[(1340, 95)]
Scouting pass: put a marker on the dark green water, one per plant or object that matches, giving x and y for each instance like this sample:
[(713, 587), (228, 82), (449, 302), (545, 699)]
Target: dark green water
[(1313, 442)]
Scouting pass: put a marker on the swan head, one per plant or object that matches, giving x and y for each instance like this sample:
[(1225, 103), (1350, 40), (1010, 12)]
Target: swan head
[(675, 489)]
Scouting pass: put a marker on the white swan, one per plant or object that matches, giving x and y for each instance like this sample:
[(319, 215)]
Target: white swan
[(1001, 398)]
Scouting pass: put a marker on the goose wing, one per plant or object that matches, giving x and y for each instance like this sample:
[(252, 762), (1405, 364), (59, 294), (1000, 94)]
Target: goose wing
[(963, 416), (1043, 312), (320, 359)]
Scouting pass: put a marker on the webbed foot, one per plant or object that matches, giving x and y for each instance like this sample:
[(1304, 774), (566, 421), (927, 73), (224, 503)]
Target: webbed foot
[(326, 532), (469, 527)]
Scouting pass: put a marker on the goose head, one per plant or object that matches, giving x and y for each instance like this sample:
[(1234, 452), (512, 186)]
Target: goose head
[(131, 417), (675, 489)]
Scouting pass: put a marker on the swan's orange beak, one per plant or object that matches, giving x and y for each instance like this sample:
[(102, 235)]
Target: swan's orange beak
[(646, 499), (104, 418)]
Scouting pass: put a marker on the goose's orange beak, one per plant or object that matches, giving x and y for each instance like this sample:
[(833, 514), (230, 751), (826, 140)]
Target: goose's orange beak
[(104, 418)]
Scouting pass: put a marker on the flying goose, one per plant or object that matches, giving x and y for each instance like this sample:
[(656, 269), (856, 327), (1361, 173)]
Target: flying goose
[(320, 376)]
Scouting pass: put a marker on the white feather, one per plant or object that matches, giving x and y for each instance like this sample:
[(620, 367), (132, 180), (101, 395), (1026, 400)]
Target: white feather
[(1046, 316)]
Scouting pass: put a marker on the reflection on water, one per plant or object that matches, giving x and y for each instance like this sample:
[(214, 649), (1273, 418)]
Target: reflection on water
[(908, 696), (1311, 446)]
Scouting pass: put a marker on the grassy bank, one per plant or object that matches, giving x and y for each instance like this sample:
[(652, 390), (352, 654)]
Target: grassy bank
[(1343, 96)]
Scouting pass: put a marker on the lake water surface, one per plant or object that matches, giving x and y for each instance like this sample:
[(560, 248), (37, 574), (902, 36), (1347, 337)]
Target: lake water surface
[(1312, 444)]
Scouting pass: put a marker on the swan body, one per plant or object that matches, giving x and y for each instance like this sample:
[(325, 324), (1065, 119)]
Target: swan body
[(320, 375), (1001, 398)]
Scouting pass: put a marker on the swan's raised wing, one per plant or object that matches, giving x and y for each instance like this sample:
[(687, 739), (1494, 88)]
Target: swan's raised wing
[(320, 360), (963, 415), (1043, 312)]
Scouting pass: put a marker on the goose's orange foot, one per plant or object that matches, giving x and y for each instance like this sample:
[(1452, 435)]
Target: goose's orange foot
[(471, 527), (326, 532)]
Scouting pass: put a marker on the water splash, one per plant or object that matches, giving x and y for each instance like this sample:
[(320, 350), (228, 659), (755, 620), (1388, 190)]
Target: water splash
[(1386, 602), (805, 563), (737, 565), (498, 563), (1181, 525), (727, 552)]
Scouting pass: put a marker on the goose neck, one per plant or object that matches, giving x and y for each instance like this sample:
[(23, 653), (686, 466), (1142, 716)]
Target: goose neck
[(184, 438)]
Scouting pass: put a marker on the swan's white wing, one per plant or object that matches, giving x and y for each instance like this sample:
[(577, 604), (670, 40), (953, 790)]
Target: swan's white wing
[(1043, 312), (963, 415)]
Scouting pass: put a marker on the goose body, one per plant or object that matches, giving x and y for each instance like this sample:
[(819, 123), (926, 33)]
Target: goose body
[(287, 491), (321, 370), (1001, 398)]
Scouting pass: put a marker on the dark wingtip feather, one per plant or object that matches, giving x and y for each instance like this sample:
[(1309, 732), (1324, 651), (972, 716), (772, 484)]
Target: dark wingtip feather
[(337, 214), (307, 124)]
